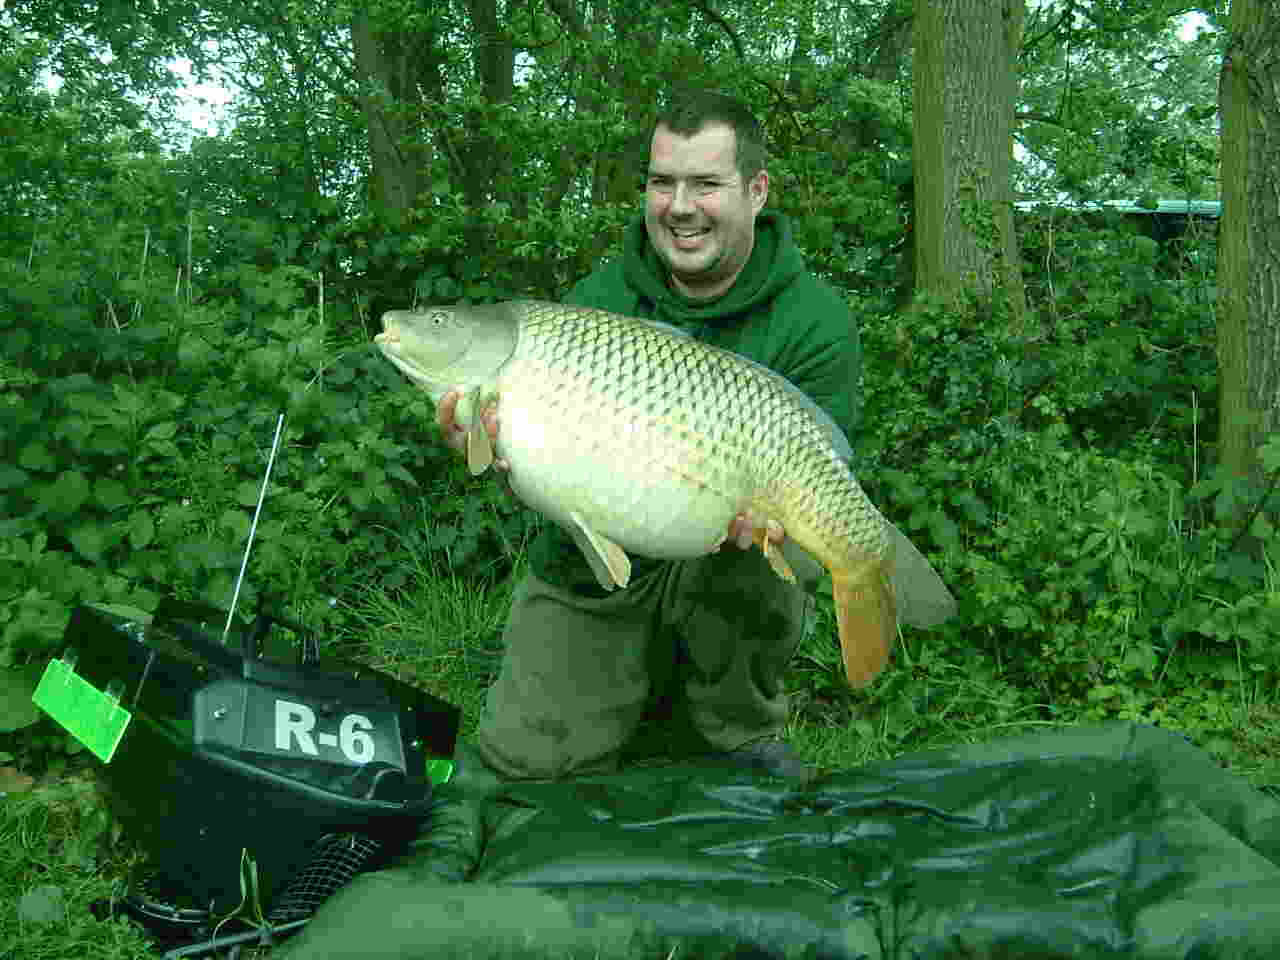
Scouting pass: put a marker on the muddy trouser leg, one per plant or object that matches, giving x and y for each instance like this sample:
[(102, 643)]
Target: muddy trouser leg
[(739, 625), (577, 673), (573, 682)]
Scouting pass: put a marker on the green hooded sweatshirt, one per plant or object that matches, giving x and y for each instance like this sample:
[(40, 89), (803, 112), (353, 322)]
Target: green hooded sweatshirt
[(776, 313)]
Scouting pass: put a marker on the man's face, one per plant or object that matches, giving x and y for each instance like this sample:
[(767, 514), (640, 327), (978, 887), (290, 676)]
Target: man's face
[(699, 217)]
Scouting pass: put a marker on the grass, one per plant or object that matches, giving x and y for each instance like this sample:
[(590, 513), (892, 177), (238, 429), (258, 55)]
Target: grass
[(59, 837), (443, 633)]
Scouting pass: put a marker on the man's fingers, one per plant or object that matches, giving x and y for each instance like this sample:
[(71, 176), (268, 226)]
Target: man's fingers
[(455, 435), (743, 527), (447, 411), (447, 419)]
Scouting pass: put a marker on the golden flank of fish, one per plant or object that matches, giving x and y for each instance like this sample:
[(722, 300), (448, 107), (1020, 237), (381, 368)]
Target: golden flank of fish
[(635, 437)]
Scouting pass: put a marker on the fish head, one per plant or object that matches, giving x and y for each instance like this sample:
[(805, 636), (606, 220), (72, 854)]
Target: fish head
[(439, 348)]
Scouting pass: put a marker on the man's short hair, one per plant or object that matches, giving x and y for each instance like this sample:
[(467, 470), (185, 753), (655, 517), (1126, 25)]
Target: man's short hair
[(688, 112)]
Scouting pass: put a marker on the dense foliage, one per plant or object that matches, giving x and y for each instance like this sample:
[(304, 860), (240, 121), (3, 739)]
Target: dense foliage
[(1066, 471)]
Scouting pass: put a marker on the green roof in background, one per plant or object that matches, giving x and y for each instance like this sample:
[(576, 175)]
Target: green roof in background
[(1199, 208)]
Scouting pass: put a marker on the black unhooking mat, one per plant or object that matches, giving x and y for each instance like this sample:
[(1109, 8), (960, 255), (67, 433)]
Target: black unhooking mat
[(1098, 842)]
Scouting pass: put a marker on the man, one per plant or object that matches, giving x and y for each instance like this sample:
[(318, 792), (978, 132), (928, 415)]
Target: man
[(582, 666)]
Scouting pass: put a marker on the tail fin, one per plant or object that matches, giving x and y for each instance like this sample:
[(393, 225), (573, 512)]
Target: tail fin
[(922, 598), (867, 622)]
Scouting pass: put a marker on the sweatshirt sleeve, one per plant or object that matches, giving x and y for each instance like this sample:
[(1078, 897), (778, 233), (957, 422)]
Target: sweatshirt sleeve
[(819, 350)]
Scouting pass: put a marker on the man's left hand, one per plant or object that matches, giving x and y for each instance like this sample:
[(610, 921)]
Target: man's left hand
[(743, 527)]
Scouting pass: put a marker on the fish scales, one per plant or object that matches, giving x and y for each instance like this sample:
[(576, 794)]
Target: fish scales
[(720, 423), (637, 438)]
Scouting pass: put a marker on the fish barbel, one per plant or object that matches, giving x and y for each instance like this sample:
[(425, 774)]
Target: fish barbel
[(635, 437)]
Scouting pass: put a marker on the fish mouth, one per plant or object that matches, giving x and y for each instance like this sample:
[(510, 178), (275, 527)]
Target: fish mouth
[(388, 341), (415, 374)]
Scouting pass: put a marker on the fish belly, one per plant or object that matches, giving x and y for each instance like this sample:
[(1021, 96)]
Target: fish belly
[(626, 475)]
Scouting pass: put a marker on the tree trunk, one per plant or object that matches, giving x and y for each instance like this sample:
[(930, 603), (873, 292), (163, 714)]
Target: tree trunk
[(1249, 247), (965, 86), (487, 158), (396, 71), (892, 42)]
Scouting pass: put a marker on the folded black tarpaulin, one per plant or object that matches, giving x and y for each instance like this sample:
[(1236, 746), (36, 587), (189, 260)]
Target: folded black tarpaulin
[(1119, 841)]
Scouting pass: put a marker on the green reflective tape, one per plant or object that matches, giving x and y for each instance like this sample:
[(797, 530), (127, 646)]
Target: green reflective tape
[(439, 769), (94, 718)]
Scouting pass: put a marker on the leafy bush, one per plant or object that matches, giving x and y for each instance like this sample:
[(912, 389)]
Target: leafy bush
[(135, 459), (1078, 527)]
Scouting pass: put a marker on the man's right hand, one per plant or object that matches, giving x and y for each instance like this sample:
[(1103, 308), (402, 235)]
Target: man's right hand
[(455, 436)]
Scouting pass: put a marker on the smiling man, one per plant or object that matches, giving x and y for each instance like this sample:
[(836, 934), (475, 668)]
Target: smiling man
[(701, 207), (693, 650)]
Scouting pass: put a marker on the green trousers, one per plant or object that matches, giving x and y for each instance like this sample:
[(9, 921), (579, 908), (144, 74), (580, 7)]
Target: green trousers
[(701, 644)]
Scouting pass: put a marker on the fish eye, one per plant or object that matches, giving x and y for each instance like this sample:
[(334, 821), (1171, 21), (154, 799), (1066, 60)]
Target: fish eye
[(438, 318)]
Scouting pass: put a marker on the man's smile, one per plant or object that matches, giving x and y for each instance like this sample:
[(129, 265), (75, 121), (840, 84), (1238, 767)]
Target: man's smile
[(686, 237)]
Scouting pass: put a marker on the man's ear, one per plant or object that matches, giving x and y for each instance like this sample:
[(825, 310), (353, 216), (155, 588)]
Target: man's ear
[(758, 188)]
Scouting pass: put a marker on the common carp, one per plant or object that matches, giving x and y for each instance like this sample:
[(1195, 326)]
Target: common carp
[(636, 437)]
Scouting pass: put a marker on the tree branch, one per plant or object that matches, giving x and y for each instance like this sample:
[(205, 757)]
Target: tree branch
[(723, 24)]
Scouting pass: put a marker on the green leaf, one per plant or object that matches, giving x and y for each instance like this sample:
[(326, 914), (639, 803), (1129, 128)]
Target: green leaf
[(16, 686), (1015, 618), (1103, 692), (129, 401), (76, 383), (1092, 542), (128, 612), (401, 474), (76, 431), (11, 477), (944, 530), (107, 440), (88, 541), (247, 493), (1141, 659), (142, 529), (162, 431), (235, 524), (110, 493), (1262, 528), (29, 555), (67, 494), (35, 456), (91, 404)]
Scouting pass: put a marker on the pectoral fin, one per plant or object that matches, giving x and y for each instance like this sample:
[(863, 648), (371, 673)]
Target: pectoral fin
[(773, 553), (609, 562), (866, 618), (479, 446)]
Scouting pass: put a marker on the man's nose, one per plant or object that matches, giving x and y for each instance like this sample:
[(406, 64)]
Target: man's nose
[(681, 198)]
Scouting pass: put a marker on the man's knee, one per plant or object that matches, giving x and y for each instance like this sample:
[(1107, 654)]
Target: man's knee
[(572, 685)]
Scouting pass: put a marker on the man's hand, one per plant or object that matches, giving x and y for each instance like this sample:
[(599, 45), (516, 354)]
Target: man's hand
[(455, 436), (743, 530)]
